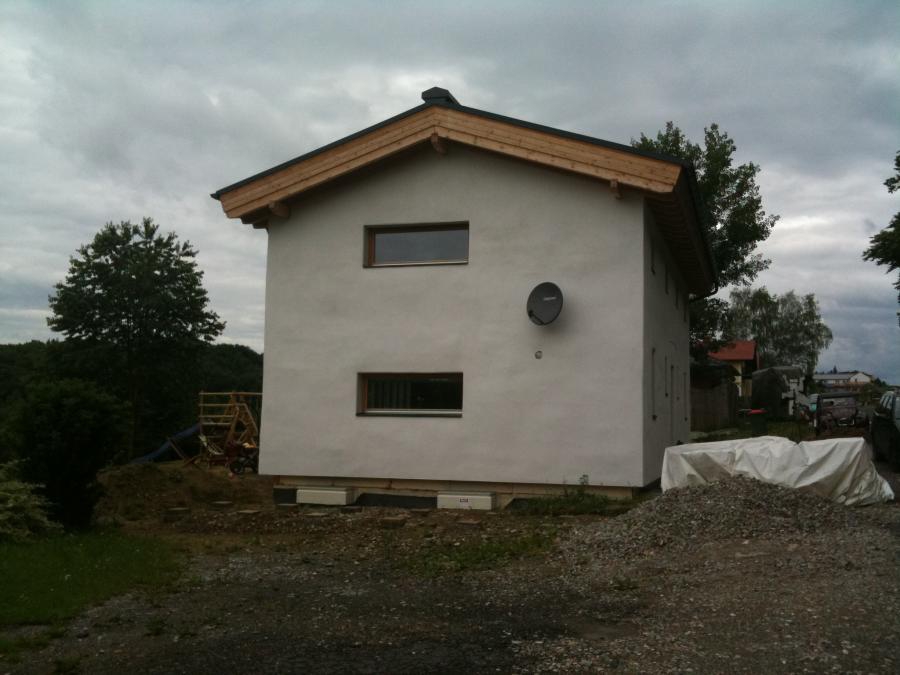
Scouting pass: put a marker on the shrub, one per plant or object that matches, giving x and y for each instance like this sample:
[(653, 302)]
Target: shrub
[(23, 512), (70, 429)]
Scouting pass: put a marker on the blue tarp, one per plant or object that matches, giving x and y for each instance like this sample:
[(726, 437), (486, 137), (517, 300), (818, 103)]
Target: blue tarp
[(165, 447)]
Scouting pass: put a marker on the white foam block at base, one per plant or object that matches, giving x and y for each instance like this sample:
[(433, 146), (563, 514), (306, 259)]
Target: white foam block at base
[(324, 496), (479, 501)]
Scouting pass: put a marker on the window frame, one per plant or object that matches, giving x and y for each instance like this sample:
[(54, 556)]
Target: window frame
[(370, 232), (362, 392)]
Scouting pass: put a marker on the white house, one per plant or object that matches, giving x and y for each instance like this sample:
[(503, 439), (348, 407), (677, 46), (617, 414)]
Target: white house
[(399, 355), (852, 379)]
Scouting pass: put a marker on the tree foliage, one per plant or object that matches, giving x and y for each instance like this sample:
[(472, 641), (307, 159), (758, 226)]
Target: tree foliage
[(230, 368), (133, 306), (884, 247), (171, 401), (737, 221), (71, 429), (134, 288), (788, 328)]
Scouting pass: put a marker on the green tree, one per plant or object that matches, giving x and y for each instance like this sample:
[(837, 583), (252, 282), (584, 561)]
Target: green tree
[(133, 304), (71, 429), (884, 247), (736, 224), (788, 328), (20, 365), (230, 368)]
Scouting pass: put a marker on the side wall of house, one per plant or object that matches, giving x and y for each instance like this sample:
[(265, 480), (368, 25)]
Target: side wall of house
[(574, 412), (667, 405)]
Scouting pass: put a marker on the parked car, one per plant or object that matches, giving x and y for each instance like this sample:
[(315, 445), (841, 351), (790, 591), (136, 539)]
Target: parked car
[(839, 409), (884, 429)]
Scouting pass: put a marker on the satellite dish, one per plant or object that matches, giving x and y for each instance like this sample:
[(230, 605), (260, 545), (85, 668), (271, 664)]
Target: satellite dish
[(545, 303)]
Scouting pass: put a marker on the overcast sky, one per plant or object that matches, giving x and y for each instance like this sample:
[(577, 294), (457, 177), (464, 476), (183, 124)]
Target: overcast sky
[(118, 110)]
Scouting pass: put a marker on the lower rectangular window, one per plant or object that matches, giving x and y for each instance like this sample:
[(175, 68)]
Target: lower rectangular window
[(413, 394)]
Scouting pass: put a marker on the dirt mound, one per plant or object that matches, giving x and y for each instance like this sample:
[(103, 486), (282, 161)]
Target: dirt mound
[(735, 508), (144, 491)]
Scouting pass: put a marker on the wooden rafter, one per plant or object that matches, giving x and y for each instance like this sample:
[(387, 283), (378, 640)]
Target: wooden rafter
[(280, 209), (438, 144)]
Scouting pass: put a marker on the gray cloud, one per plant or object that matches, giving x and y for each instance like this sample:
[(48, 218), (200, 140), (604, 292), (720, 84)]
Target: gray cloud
[(112, 111)]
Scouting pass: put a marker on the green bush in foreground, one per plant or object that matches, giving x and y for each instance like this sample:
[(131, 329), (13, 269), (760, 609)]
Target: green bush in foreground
[(23, 512), (56, 577)]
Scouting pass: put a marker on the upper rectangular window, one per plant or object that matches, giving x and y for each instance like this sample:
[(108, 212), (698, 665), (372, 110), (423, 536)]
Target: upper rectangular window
[(422, 394), (438, 244)]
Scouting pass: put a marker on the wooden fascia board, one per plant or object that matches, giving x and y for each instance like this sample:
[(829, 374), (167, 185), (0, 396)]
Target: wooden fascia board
[(329, 165), (540, 147)]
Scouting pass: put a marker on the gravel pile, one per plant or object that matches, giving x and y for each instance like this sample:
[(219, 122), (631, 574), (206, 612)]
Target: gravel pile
[(735, 508)]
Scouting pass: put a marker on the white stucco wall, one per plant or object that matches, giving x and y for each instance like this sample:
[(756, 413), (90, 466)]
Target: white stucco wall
[(576, 411), (667, 372)]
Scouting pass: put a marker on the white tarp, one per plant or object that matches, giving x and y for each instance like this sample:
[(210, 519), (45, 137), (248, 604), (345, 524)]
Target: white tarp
[(840, 469)]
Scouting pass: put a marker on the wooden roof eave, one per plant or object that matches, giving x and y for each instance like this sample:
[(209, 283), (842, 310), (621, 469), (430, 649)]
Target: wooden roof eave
[(533, 145), (679, 223)]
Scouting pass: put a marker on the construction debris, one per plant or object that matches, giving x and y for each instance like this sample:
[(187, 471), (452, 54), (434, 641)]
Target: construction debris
[(229, 429)]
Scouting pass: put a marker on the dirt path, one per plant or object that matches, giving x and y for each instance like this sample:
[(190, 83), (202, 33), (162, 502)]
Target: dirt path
[(735, 578)]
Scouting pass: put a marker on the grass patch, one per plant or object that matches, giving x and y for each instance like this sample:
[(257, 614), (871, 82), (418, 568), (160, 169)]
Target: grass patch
[(572, 502), (477, 555), (54, 578)]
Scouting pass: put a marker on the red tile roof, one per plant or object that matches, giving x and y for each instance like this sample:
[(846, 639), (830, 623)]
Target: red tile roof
[(739, 350)]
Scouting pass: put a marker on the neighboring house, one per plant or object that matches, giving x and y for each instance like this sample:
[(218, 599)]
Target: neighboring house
[(399, 356), (850, 380), (743, 355)]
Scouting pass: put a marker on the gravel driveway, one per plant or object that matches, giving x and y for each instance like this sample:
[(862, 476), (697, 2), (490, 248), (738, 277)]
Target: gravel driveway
[(734, 577)]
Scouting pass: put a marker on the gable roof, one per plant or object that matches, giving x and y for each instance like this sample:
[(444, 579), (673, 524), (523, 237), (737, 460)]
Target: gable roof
[(738, 350), (668, 183)]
